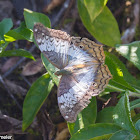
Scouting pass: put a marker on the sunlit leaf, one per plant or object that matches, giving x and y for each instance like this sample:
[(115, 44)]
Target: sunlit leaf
[(33, 17), (20, 33), (94, 7), (103, 27), (115, 68), (131, 52)]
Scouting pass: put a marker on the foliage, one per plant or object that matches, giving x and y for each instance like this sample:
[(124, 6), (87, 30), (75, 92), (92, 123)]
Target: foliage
[(34, 100), (7, 36), (110, 123), (102, 25), (131, 52)]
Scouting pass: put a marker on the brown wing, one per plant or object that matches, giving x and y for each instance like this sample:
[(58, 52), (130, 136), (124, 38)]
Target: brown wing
[(91, 47)]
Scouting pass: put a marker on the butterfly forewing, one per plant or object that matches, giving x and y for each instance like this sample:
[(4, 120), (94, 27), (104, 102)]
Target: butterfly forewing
[(54, 44), (81, 62)]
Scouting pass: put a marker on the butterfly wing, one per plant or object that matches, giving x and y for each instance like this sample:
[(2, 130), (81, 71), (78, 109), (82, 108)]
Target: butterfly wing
[(53, 43), (71, 98), (76, 89), (83, 58), (60, 49)]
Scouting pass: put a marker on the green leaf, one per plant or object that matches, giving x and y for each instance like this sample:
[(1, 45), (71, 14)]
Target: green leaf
[(50, 69), (3, 47), (122, 135), (118, 75), (122, 116), (85, 118), (126, 75), (137, 125), (136, 118), (95, 131), (5, 26), (115, 87), (20, 33), (103, 137), (33, 17), (131, 52), (88, 115), (104, 27), (135, 104), (105, 115), (94, 7), (2, 42), (35, 97), (19, 52)]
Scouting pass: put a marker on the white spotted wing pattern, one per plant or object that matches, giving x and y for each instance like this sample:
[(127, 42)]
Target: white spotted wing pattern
[(81, 64)]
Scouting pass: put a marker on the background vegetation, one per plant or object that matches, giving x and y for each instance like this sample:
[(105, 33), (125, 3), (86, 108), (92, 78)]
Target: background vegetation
[(28, 104)]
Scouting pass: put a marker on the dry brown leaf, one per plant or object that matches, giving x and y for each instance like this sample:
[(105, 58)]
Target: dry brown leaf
[(45, 124), (15, 89), (63, 135), (52, 5), (111, 101), (9, 63), (32, 67), (9, 124), (61, 126)]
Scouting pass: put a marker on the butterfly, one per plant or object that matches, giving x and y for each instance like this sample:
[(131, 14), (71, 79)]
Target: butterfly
[(81, 64)]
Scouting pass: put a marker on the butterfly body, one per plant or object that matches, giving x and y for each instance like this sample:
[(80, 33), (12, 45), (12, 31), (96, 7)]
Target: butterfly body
[(63, 72), (81, 64)]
